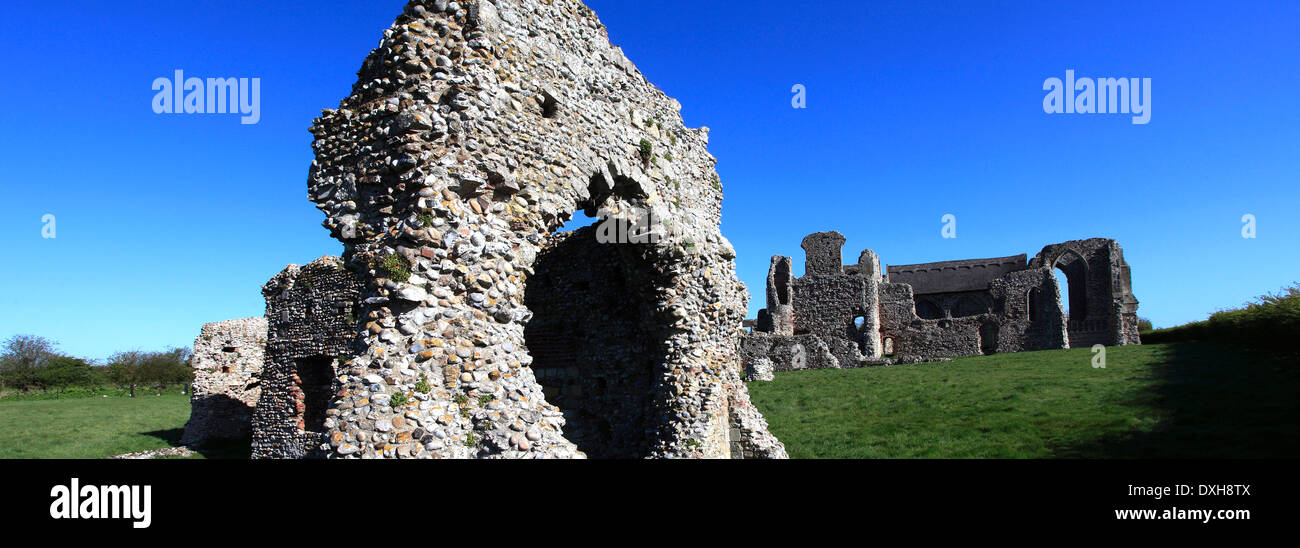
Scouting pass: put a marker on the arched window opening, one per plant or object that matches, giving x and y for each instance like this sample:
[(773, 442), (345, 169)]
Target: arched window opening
[(927, 310)]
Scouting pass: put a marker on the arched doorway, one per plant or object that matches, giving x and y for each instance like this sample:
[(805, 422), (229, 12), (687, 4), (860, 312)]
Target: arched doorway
[(595, 335)]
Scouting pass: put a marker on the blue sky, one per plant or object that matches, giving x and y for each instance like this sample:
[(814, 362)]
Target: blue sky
[(915, 110)]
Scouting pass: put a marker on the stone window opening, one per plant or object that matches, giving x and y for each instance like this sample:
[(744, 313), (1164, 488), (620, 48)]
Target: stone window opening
[(550, 106), (228, 349), (927, 310), (988, 338), (312, 390), (858, 331), (783, 289)]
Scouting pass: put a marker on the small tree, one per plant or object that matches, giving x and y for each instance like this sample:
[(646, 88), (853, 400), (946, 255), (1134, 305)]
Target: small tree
[(62, 372), (125, 369), (22, 358), (166, 368)]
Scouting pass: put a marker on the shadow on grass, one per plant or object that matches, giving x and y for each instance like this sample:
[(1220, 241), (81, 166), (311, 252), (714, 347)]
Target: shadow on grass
[(1211, 401), (231, 449)]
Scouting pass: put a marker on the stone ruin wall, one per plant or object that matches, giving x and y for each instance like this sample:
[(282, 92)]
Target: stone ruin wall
[(227, 362), (1110, 308), (957, 308), (474, 131), (311, 327)]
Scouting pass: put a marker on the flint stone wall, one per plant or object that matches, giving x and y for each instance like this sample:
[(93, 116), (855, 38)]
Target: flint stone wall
[(227, 362), (311, 326), (475, 129)]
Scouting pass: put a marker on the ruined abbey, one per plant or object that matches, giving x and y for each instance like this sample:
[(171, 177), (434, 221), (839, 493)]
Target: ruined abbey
[(461, 322), (458, 323), (838, 315)]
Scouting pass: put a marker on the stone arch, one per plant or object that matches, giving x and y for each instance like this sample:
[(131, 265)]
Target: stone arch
[(926, 309), (596, 336), (1075, 267)]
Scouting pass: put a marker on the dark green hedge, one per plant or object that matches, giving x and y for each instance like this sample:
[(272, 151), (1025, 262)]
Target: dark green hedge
[(1272, 322)]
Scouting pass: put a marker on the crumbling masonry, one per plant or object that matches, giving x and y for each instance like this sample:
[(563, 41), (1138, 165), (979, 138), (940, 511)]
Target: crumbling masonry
[(311, 327), (840, 315), (458, 324), (227, 364)]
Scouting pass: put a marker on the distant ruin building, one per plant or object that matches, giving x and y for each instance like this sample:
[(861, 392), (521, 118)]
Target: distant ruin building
[(311, 320), (840, 315), (227, 363), (458, 323)]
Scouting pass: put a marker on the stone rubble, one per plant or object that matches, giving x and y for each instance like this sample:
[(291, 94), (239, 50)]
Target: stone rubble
[(184, 452)]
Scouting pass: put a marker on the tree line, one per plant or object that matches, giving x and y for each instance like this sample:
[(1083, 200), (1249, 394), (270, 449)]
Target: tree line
[(29, 363)]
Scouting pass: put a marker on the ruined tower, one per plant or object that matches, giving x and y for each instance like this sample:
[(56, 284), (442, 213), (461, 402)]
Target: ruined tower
[(475, 131)]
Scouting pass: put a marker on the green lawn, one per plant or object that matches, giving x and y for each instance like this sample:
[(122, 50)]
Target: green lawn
[(90, 427), (1175, 400)]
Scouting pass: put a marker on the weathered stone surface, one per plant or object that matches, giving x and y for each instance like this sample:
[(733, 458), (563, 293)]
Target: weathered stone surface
[(227, 362), (759, 369), (311, 327), (475, 130)]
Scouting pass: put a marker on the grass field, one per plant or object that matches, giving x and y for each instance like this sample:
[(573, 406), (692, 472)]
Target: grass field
[(90, 427), (1174, 401)]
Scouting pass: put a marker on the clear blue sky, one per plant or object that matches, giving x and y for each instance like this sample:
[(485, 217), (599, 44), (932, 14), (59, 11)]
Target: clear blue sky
[(915, 110)]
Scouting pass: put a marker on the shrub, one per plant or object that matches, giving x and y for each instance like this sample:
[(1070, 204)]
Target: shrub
[(1271, 322), (647, 150), (394, 267)]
